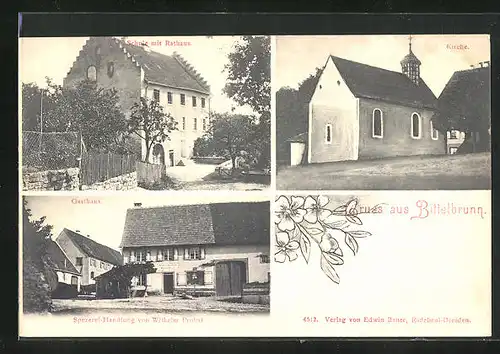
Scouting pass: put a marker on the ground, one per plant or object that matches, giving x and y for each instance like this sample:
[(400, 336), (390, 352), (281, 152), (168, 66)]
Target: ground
[(155, 304), (450, 172)]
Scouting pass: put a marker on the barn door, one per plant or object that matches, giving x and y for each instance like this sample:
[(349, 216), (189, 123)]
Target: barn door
[(237, 280), (222, 279)]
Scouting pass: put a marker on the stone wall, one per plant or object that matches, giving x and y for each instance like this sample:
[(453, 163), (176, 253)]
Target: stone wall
[(52, 180), (123, 182), (256, 293)]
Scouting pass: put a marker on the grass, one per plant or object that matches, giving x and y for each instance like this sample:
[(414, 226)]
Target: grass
[(450, 172)]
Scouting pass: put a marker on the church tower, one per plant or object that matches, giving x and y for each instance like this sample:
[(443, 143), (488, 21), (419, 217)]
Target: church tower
[(411, 66)]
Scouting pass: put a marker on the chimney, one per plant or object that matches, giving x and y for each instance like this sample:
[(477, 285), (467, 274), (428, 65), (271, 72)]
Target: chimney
[(137, 205), (481, 63)]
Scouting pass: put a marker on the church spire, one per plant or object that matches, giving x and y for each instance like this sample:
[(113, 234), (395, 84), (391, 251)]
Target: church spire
[(410, 65)]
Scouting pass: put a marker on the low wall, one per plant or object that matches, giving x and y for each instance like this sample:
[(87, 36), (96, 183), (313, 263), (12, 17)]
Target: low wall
[(123, 182), (209, 160), (256, 293), (52, 180)]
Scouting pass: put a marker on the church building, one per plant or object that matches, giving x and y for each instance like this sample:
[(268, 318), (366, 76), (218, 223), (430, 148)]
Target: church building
[(137, 71), (358, 111)]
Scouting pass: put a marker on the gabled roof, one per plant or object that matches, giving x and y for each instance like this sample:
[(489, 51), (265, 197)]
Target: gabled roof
[(58, 260), (466, 95), (93, 249), (202, 224), (385, 85), (173, 71)]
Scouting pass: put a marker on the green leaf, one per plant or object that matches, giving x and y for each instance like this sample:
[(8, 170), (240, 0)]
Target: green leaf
[(351, 243), (305, 247), (360, 234), (327, 268), (314, 231), (333, 258)]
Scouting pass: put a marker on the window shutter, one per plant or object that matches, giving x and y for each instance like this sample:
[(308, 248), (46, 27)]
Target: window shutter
[(202, 252), (159, 255), (176, 254), (208, 278), (181, 279), (186, 253), (125, 259), (148, 256)]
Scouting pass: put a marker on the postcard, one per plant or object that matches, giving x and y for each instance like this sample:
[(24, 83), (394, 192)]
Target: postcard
[(145, 113), (383, 112), (107, 265)]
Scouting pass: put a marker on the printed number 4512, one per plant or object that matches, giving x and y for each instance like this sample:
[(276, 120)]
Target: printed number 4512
[(310, 319)]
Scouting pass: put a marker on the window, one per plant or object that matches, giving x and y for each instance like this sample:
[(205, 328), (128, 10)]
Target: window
[(328, 134), (169, 98), (91, 275), (264, 258), (204, 124), (415, 126), (195, 278), (140, 256), (377, 124), (101, 265), (92, 73), (183, 123), (111, 69), (194, 101), (434, 132), (453, 150), (453, 134), (195, 124), (79, 261), (98, 51), (142, 280), (194, 253), (202, 102), (183, 99), (156, 95), (92, 262)]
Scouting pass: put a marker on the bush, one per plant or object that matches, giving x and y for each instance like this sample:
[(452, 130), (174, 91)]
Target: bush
[(36, 290), (165, 183)]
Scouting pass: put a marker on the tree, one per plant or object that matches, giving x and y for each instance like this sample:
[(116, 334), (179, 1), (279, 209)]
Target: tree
[(292, 112), (249, 73), (85, 108), (150, 123), (37, 274), (249, 83), (230, 134)]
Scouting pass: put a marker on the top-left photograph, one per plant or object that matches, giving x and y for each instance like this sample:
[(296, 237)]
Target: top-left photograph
[(145, 113)]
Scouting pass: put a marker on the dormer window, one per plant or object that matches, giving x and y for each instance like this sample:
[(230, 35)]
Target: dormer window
[(416, 128), (92, 73), (377, 124)]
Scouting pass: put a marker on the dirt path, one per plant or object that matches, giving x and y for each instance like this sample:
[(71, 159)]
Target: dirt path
[(156, 304)]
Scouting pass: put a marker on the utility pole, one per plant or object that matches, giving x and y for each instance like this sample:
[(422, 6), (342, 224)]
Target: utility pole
[(41, 123)]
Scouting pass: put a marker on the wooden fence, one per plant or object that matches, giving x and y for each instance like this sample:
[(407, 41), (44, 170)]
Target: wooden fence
[(98, 167), (148, 174)]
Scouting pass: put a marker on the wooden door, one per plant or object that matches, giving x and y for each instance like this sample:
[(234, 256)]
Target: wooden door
[(171, 157), (168, 283), (229, 278)]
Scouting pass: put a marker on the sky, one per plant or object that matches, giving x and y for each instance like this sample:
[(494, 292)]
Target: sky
[(104, 221), (298, 56), (53, 57)]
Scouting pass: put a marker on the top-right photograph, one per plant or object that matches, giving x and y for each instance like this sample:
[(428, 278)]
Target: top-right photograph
[(383, 112)]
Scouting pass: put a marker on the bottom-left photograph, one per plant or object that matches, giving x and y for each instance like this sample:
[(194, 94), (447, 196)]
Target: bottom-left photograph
[(144, 254)]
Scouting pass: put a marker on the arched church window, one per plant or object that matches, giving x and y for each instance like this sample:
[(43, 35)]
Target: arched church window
[(92, 73), (377, 124), (415, 126)]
